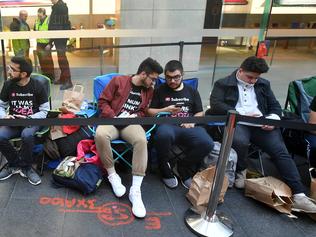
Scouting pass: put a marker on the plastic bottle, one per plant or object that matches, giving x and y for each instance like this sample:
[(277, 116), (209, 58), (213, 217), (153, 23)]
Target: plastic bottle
[(84, 105)]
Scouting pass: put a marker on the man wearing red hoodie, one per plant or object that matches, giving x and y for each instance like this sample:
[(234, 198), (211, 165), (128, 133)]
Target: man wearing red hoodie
[(127, 97)]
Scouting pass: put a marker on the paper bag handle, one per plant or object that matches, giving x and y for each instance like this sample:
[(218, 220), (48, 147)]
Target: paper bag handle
[(78, 86)]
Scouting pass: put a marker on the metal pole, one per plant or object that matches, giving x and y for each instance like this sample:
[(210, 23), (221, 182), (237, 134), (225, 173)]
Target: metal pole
[(3, 60), (211, 223), (101, 59), (36, 66), (215, 63), (181, 45)]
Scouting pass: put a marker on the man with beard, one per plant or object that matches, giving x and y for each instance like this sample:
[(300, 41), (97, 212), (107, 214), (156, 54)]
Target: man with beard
[(26, 99), (180, 100), (127, 97), (21, 47)]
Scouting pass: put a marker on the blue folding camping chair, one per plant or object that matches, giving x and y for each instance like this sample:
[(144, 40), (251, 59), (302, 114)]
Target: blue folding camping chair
[(99, 84)]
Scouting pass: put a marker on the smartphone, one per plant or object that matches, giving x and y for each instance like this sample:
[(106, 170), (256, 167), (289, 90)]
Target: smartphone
[(53, 114)]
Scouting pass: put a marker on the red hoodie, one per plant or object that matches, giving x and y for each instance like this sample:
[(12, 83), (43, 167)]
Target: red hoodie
[(115, 95)]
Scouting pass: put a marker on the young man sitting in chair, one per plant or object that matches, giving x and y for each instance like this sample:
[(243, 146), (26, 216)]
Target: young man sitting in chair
[(26, 99), (180, 100), (127, 97), (251, 95)]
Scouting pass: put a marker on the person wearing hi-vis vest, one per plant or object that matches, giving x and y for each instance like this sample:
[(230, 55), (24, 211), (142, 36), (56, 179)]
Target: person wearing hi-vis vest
[(21, 47), (44, 56)]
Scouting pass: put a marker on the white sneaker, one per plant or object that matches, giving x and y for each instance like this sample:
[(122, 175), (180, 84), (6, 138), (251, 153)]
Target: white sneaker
[(138, 207), (303, 204), (240, 179), (117, 186)]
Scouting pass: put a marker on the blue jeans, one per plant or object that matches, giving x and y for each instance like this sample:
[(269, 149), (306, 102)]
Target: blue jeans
[(272, 143), (311, 138), (196, 140), (24, 157)]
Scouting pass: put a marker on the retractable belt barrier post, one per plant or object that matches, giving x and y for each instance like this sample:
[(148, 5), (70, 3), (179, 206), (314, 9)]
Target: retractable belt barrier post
[(211, 223)]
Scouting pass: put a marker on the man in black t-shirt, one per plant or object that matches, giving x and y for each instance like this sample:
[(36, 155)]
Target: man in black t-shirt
[(179, 100), (26, 98)]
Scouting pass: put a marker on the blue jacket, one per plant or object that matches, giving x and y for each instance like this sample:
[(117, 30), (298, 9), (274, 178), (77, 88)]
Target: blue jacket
[(225, 96)]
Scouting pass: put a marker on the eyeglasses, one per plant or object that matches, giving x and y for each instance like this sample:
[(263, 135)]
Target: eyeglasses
[(175, 78), (12, 69)]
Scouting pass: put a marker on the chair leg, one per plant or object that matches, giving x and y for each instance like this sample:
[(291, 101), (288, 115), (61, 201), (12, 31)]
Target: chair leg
[(261, 163), (120, 156), (42, 164)]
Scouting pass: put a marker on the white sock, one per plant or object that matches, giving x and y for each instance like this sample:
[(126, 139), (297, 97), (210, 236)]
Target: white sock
[(111, 171), (298, 195), (137, 181)]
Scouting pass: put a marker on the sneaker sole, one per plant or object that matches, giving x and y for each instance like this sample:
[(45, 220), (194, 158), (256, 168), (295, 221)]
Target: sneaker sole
[(172, 187), (183, 184), (301, 210), (4, 178), (35, 183)]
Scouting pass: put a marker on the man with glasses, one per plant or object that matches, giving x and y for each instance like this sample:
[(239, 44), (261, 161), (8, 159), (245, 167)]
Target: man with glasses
[(249, 94), (180, 100), (127, 97), (23, 98)]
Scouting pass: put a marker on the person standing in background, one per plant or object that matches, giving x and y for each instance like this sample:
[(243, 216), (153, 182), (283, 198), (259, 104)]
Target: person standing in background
[(21, 47), (44, 56), (59, 20)]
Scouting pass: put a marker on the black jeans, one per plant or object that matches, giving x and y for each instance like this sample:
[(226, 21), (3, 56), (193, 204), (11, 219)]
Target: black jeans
[(272, 143), (45, 61), (196, 140), (24, 157), (63, 63)]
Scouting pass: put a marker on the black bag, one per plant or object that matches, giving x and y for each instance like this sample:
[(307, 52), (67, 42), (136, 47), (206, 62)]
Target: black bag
[(87, 178), (294, 139), (67, 146), (51, 149)]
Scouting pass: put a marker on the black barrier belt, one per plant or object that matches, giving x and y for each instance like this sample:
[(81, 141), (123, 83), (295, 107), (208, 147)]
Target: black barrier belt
[(210, 120), (112, 121), (277, 123)]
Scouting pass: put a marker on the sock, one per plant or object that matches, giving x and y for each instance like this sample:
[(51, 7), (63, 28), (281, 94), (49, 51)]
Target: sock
[(137, 181), (111, 171)]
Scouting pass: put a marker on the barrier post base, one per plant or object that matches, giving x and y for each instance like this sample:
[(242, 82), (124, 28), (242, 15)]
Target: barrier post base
[(217, 226)]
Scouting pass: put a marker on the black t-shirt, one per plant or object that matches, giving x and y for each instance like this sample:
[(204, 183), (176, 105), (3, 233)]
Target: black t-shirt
[(23, 100), (133, 101), (188, 98), (313, 105)]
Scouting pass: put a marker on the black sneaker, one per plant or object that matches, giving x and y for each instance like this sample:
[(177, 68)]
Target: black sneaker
[(8, 171), (31, 175)]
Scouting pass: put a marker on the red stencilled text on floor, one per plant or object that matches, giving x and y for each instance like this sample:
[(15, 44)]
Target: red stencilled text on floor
[(111, 213)]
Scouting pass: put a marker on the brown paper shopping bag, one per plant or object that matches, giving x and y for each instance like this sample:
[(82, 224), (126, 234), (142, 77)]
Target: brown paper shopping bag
[(201, 186), (72, 99), (56, 132), (270, 191)]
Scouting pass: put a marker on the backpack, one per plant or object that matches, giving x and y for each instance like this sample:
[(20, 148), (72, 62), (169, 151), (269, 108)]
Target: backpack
[(212, 158), (51, 149), (84, 177)]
